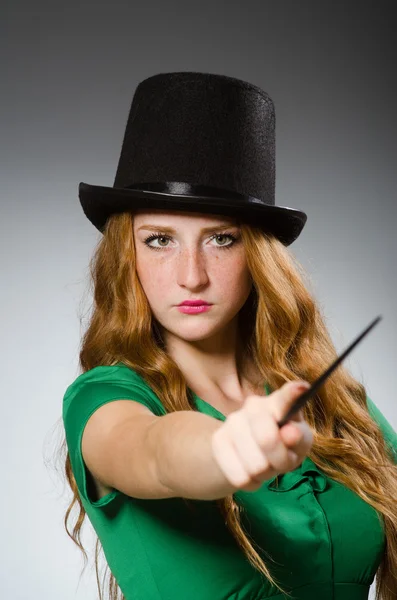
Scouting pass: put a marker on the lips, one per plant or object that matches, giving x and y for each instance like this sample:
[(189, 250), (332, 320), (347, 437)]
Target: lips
[(194, 303)]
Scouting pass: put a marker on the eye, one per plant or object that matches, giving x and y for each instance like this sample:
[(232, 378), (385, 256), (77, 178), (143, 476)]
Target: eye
[(163, 236), (154, 236)]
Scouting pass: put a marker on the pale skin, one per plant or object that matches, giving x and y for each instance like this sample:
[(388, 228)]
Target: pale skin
[(192, 264)]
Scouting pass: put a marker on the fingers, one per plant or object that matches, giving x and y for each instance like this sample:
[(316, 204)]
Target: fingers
[(296, 435), (267, 435), (245, 444), (284, 398), (228, 459), (250, 447)]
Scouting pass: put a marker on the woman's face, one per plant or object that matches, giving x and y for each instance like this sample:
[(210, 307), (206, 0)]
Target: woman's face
[(190, 264)]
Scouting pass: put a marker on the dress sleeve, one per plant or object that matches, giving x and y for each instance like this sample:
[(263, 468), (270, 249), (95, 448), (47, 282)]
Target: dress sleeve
[(389, 434), (82, 398)]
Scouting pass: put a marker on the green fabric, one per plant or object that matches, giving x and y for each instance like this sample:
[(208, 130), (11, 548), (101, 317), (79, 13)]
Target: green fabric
[(318, 537)]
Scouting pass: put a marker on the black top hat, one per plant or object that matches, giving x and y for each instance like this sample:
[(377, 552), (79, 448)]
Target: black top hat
[(198, 142)]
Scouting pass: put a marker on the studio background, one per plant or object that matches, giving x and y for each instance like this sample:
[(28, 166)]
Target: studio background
[(68, 75)]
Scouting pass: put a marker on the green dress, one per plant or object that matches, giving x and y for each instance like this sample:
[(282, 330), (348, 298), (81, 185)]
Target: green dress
[(320, 540)]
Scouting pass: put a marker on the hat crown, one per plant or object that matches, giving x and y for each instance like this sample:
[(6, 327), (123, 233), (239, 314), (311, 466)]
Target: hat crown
[(201, 129), (197, 142)]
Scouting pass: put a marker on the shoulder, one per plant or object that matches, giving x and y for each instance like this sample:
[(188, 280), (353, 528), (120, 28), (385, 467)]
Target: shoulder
[(119, 373), (102, 384)]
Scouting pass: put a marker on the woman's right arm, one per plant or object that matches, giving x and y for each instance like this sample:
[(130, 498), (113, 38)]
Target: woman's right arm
[(126, 447), (192, 455)]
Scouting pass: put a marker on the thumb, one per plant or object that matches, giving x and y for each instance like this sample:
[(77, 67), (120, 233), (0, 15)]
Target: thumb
[(289, 392)]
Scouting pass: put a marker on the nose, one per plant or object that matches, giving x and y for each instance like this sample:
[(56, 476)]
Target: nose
[(191, 268)]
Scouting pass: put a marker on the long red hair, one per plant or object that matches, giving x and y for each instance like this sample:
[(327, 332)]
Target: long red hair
[(286, 337)]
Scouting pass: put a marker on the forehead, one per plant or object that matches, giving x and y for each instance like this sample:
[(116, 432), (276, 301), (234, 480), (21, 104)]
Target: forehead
[(180, 217)]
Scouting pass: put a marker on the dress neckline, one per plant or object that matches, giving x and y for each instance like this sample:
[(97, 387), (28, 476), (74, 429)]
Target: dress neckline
[(212, 409)]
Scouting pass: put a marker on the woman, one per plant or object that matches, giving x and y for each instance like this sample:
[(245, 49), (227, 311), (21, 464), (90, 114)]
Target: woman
[(173, 449)]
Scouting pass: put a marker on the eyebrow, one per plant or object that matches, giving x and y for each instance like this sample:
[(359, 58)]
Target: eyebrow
[(171, 230)]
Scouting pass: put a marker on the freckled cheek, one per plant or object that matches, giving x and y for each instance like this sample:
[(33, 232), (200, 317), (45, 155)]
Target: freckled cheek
[(234, 278), (154, 277), (235, 271), (237, 288)]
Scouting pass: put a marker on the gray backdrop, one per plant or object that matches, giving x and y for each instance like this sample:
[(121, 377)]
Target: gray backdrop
[(68, 74)]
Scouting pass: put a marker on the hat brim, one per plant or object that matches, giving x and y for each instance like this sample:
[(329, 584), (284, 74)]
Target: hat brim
[(99, 202)]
